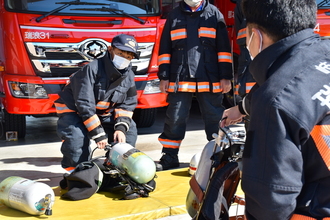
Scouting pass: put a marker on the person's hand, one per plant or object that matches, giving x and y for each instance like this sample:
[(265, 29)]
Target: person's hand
[(119, 137), (225, 85), (163, 86), (101, 144), (231, 116)]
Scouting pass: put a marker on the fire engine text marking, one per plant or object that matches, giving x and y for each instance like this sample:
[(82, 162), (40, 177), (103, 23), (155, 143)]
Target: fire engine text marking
[(36, 35)]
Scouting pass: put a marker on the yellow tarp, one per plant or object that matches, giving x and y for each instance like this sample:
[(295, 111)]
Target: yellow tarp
[(169, 198)]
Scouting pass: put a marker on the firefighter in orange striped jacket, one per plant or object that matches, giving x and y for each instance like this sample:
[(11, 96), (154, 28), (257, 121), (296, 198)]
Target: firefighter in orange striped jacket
[(98, 103), (245, 81), (194, 58)]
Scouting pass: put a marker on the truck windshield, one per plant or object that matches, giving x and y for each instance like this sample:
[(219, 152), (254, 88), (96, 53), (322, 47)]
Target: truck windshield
[(135, 7), (323, 4)]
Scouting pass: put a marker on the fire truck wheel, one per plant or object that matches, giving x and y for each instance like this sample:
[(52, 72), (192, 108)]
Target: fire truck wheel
[(13, 122), (144, 117)]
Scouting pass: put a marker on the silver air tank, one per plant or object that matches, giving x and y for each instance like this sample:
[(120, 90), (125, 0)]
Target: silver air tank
[(26, 195), (138, 166)]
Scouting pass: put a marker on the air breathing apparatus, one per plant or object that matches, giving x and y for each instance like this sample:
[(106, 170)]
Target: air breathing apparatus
[(136, 169), (123, 168)]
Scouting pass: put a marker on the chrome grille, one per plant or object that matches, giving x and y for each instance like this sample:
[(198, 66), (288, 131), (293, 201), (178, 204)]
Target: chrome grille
[(63, 56), (61, 60)]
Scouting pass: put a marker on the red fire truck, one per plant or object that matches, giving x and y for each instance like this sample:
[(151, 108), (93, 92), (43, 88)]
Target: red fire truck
[(42, 42), (323, 19)]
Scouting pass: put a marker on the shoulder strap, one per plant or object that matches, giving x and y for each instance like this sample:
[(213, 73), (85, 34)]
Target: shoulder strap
[(220, 193)]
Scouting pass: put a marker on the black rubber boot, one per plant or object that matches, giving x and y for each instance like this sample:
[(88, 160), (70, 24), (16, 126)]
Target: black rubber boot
[(168, 161)]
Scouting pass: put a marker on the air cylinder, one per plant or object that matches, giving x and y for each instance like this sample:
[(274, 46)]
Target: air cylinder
[(138, 166), (202, 176), (26, 195)]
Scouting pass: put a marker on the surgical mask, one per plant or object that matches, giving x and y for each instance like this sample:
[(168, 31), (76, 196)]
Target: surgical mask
[(120, 62), (192, 3), (260, 46)]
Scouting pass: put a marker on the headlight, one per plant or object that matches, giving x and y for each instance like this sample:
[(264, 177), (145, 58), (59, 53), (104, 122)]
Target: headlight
[(27, 90), (152, 87)]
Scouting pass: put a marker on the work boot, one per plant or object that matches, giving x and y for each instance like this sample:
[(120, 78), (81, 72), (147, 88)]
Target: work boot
[(168, 161)]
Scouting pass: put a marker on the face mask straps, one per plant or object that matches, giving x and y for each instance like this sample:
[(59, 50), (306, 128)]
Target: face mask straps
[(260, 46), (248, 46)]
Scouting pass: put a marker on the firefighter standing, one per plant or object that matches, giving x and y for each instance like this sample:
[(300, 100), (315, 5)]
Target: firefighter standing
[(194, 58), (98, 103), (245, 80), (286, 160)]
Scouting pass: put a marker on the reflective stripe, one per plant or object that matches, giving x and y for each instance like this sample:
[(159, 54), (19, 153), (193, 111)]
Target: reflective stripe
[(194, 87), (167, 143), (62, 108), (217, 87), (236, 89), (182, 87), (321, 137), (92, 122), (171, 87), (187, 87), (178, 34), (164, 58), (99, 135), (203, 87), (241, 33), (303, 217), (248, 86), (124, 124), (70, 169), (224, 57), (102, 105), (123, 113), (105, 114), (207, 32)]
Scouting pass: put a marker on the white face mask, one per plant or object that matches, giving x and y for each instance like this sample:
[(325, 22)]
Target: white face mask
[(192, 3), (120, 62), (260, 46)]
